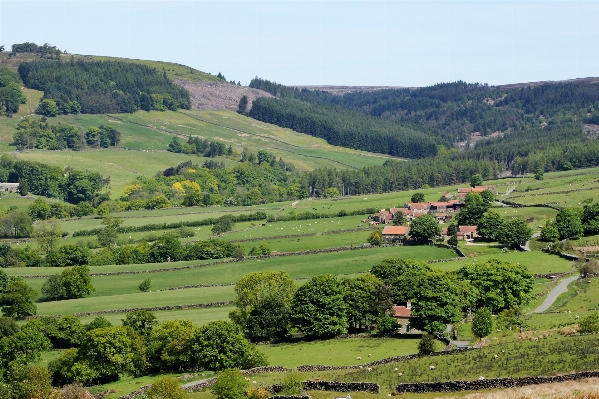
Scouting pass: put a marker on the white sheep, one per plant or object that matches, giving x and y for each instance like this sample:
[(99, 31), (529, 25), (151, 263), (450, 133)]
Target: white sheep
[(369, 355), (399, 374), (359, 358), (396, 369), (369, 369), (481, 378), (432, 367), (502, 351), (495, 356), (254, 382)]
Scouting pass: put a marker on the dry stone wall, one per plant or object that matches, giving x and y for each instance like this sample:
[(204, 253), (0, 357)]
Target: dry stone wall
[(491, 383)]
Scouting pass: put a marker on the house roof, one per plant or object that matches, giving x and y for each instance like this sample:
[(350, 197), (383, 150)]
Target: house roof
[(417, 205), (440, 215), (395, 230), (468, 229), (385, 215), (439, 203), (402, 311)]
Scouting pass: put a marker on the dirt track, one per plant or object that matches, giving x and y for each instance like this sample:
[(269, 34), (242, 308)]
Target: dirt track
[(219, 96)]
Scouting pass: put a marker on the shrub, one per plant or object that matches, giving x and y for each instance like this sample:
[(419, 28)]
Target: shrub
[(427, 345), (145, 285), (292, 384), (590, 324), (230, 384)]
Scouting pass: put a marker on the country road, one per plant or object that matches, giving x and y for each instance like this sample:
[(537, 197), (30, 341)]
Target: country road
[(560, 289)]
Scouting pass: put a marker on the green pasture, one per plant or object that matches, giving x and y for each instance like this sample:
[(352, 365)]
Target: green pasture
[(140, 299), (520, 357), (298, 266), (339, 352), (121, 166), (582, 295), (198, 316), (536, 262)]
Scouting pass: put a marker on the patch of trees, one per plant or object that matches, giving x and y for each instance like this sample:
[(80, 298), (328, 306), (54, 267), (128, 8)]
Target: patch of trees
[(43, 51), (103, 86), (11, 95), (345, 127), (100, 352), (572, 223), (73, 186), (200, 147), (38, 133)]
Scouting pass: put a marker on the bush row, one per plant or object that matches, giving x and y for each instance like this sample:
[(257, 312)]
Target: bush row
[(175, 225)]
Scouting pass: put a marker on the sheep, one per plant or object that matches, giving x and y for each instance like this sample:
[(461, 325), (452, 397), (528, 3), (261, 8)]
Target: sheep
[(495, 356), (399, 374), (359, 358), (396, 369), (502, 351), (369, 355), (369, 369), (481, 378), (432, 367), (254, 382)]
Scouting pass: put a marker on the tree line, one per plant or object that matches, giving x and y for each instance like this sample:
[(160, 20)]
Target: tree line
[(11, 95), (103, 86), (38, 133)]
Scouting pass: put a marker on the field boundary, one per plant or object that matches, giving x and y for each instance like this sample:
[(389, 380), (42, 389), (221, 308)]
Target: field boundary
[(491, 383)]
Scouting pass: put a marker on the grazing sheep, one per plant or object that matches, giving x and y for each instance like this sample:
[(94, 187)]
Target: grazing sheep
[(432, 367), (369, 369), (254, 382), (359, 358), (502, 351), (399, 374), (396, 369), (369, 355), (361, 367), (481, 378), (495, 356)]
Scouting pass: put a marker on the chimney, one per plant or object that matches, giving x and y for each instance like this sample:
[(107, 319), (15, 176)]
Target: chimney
[(409, 304)]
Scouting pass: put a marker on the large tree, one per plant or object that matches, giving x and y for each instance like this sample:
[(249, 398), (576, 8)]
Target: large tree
[(490, 225), (319, 308), (424, 228), (401, 276), (569, 224), (142, 322), (367, 298), (220, 345), (501, 285), (514, 233), (253, 288), (17, 300), (482, 323), (47, 234), (77, 282), (16, 224), (473, 211), (171, 345)]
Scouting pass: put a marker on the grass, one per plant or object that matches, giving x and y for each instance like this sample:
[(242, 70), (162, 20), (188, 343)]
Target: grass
[(536, 262), (339, 352), (140, 299)]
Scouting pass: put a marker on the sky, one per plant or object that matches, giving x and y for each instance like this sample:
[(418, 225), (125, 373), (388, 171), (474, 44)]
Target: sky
[(357, 43)]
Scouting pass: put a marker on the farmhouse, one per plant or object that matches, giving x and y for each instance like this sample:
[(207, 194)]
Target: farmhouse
[(478, 189), (9, 187), (395, 233), (467, 232), (403, 314)]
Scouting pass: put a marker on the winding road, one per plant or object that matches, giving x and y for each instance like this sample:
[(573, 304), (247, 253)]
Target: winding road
[(560, 289)]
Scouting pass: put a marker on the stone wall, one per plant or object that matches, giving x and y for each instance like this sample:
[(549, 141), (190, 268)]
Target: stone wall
[(491, 383), (334, 386)]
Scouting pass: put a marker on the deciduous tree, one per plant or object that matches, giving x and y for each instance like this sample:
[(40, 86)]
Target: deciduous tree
[(17, 300), (319, 309), (424, 228), (482, 323)]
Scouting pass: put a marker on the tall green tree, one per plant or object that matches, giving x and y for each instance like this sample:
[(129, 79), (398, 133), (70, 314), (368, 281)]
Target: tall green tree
[(269, 319), (17, 300), (424, 228), (142, 322), (501, 285), (490, 225), (482, 323), (367, 299), (230, 384), (473, 211), (569, 224), (47, 234), (514, 233), (77, 282), (220, 345), (319, 308), (171, 345), (166, 388), (476, 180)]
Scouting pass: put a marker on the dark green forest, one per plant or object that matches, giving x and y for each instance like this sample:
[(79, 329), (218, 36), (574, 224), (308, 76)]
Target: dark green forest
[(451, 111), (345, 128), (103, 86), (11, 96)]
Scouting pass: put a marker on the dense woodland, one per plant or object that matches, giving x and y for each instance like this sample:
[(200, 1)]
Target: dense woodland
[(451, 111), (344, 128), (103, 86)]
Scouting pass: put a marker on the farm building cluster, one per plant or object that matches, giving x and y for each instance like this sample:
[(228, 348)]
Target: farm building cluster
[(442, 210)]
